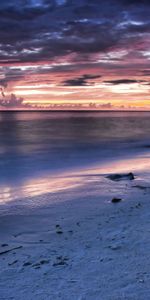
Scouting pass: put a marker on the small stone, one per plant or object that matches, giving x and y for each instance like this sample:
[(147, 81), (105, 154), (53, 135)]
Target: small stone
[(44, 261), (59, 231), (28, 263), (138, 205), (57, 226), (116, 200), (61, 261), (4, 245), (115, 247), (141, 280)]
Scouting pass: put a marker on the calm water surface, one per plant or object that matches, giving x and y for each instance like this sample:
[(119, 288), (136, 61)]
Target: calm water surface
[(37, 142)]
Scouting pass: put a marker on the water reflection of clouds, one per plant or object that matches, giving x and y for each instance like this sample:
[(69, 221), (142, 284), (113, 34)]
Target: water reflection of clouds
[(37, 187), (71, 181), (35, 143)]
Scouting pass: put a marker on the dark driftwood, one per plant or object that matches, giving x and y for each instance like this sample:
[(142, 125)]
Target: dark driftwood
[(9, 250)]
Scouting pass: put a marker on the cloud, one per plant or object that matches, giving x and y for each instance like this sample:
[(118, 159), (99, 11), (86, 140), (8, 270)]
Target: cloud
[(106, 106), (80, 81), (33, 31), (67, 38), (10, 75), (3, 83), (145, 72), (122, 81), (11, 102), (136, 2)]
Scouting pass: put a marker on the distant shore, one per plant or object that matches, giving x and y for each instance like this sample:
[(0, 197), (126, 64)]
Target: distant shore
[(77, 110)]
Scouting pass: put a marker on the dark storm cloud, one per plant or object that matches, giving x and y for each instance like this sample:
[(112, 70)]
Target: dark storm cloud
[(32, 31), (80, 81)]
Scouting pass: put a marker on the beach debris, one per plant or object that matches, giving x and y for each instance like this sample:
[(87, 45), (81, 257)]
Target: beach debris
[(37, 267), (9, 250), (141, 280), (42, 262), (60, 261), (4, 245), (14, 262), (116, 200), (28, 263), (138, 205), (141, 187), (118, 177), (57, 226), (115, 247), (58, 229)]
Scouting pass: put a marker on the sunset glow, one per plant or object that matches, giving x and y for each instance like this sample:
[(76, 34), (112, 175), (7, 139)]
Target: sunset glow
[(75, 55)]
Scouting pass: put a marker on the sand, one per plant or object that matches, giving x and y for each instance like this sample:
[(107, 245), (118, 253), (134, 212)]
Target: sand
[(80, 247)]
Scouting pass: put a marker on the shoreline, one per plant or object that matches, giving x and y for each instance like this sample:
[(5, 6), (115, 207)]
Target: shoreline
[(33, 191)]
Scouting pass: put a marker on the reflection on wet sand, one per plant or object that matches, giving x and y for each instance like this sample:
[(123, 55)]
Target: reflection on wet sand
[(72, 180)]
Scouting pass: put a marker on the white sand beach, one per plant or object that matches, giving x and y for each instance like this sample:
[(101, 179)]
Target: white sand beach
[(76, 244)]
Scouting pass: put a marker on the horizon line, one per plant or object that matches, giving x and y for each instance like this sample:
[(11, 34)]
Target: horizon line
[(69, 110)]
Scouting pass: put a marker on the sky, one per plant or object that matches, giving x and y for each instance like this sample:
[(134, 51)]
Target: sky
[(75, 54)]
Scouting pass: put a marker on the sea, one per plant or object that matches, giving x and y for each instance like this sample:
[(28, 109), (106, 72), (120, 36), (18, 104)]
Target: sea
[(44, 144)]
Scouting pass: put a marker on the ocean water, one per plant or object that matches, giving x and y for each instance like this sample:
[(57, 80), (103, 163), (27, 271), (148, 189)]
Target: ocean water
[(34, 143), (38, 144)]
